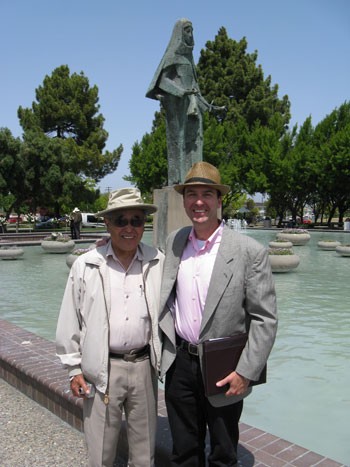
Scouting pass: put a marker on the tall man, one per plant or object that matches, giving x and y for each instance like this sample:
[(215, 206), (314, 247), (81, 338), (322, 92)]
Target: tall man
[(216, 283), (107, 333)]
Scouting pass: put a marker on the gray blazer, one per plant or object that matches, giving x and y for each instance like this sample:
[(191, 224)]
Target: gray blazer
[(241, 298)]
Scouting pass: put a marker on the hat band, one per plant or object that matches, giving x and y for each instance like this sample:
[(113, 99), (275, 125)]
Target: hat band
[(200, 179)]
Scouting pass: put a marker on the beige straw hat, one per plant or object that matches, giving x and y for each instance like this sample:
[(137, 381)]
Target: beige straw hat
[(203, 173), (126, 198)]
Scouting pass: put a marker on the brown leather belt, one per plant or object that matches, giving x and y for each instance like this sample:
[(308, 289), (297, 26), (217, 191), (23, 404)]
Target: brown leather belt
[(132, 355)]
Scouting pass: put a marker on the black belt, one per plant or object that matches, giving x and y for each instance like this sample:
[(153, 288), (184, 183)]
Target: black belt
[(192, 349), (132, 355)]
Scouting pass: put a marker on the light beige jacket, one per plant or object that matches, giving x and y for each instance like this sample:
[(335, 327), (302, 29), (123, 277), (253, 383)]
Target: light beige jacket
[(82, 335)]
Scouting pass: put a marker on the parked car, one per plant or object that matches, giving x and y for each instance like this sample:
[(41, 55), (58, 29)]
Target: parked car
[(13, 219), (90, 220), (47, 224), (51, 223)]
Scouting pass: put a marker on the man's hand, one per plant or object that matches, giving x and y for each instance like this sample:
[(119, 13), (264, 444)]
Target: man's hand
[(238, 384), (78, 386)]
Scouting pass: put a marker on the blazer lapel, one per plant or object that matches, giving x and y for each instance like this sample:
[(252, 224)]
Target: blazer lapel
[(221, 276), (171, 264)]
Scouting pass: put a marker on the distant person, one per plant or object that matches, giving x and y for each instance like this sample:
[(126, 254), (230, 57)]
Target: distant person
[(216, 283), (71, 226), (107, 333), (77, 220), (175, 85)]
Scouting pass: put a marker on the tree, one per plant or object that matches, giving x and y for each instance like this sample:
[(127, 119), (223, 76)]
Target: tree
[(279, 174), (53, 182), (14, 187), (230, 77), (148, 163), (302, 176), (332, 143), (64, 139)]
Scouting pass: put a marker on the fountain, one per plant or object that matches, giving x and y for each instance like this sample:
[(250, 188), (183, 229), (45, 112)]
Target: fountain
[(237, 225), (313, 322)]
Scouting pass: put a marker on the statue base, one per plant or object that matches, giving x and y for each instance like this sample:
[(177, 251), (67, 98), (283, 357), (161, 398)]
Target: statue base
[(170, 216)]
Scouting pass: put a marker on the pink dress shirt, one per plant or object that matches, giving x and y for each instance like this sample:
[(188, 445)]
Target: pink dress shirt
[(193, 278)]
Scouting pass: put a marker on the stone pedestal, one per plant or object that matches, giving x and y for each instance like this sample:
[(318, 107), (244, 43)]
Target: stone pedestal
[(52, 246), (343, 250), (295, 238), (170, 215), (11, 252), (328, 244), (284, 263)]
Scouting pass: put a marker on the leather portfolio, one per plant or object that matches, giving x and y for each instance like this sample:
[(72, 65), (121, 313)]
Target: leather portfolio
[(220, 358)]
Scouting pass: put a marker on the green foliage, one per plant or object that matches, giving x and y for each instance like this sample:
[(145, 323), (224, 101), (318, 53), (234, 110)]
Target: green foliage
[(231, 204), (64, 141), (14, 186), (148, 163), (332, 161), (301, 175), (10, 163), (255, 119), (229, 76), (101, 203)]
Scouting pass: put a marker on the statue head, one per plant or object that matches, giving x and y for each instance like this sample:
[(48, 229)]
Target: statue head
[(187, 33), (181, 41)]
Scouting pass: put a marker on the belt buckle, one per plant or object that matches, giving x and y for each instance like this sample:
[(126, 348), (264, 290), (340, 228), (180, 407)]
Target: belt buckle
[(192, 349), (129, 357)]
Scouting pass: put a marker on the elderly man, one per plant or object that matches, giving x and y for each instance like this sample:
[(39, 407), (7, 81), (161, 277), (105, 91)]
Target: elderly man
[(107, 333), (217, 283)]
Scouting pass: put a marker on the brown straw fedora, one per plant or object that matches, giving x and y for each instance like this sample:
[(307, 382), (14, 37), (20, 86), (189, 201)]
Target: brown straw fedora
[(126, 198), (203, 173)]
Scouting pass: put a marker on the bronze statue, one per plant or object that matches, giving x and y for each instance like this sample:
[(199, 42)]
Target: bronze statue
[(175, 85)]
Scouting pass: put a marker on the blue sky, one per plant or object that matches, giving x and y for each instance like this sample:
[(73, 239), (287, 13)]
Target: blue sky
[(303, 44)]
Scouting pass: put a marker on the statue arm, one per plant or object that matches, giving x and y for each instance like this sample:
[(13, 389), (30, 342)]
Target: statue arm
[(210, 107), (170, 85)]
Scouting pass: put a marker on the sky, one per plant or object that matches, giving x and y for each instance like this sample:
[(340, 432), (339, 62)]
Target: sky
[(304, 45)]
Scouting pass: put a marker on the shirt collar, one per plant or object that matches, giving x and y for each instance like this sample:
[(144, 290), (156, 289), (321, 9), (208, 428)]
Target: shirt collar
[(138, 255), (215, 237)]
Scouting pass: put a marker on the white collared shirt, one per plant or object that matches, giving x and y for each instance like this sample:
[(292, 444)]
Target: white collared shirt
[(130, 326)]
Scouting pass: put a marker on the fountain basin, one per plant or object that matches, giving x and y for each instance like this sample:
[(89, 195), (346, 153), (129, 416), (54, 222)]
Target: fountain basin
[(12, 252), (284, 263), (280, 244), (328, 244), (343, 250), (52, 246), (295, 238)]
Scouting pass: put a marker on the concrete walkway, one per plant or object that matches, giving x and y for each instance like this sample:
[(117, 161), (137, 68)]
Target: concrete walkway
[(41, 422), (33, 436)]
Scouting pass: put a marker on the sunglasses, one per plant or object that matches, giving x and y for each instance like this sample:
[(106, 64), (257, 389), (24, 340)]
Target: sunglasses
[(123, 221)]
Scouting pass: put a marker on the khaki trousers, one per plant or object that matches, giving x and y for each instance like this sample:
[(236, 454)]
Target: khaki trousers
[(133, 388)]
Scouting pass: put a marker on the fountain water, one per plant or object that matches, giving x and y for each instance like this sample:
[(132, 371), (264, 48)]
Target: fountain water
[(310, 353), (237, 224)]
